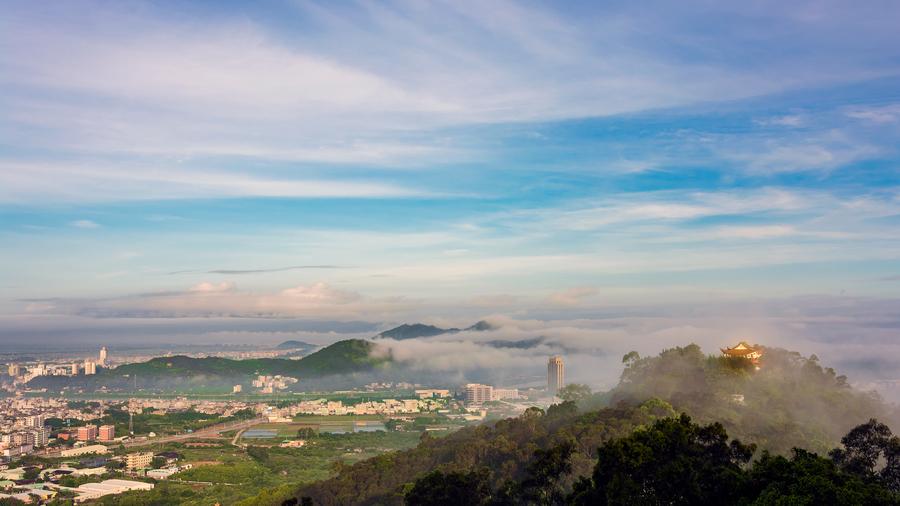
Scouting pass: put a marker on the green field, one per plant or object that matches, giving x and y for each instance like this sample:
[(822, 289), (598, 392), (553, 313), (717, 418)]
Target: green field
[(261, 475)]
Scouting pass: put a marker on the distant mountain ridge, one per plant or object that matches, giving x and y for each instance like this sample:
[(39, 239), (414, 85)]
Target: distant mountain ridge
[(416, 330), (421, 330), (296, 345)]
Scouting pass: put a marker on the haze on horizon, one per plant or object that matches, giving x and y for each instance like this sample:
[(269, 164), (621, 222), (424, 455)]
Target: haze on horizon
[(617, 178)]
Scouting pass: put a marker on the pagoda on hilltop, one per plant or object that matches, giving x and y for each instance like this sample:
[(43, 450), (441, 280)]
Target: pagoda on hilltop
[(744, 350)]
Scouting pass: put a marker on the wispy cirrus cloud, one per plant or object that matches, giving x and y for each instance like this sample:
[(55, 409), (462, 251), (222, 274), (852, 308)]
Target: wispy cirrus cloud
[(238, 272), (79, 182)]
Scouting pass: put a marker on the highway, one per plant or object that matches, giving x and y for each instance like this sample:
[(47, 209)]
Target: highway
[(207, 432)]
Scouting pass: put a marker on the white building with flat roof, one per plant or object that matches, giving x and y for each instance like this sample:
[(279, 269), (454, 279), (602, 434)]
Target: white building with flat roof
[(91, 491), (85, 450)]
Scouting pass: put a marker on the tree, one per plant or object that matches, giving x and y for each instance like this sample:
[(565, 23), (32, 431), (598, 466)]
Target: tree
[(306, 433), (258, 453), (31, 473), (630, 358), (672, 462), (890, 474), (541, 486), (807, 478), (438, 489), (574, 392), (866, 447), (863, 446)]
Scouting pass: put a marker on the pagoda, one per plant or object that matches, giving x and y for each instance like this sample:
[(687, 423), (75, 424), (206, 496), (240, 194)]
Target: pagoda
[(744, 350)]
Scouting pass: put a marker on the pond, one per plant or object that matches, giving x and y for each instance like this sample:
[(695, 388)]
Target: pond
[(259, 434)]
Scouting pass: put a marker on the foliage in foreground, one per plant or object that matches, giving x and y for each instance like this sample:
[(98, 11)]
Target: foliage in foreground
[(678, 462)]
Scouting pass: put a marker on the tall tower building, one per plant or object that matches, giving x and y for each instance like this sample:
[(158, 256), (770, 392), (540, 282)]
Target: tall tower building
[(14, 370), (102, 361), (556, 374), (90, 367)]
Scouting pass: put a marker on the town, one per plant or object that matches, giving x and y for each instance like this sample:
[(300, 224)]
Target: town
[(88, 446)]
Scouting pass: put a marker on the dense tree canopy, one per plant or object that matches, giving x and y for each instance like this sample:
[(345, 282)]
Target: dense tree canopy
[(675, 462)]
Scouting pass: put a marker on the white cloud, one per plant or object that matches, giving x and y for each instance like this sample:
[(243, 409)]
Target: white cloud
[(755, 232), (113, 80), (572, 296), (878, 115), (207, 287), (321, 293), (85, 224), (24, 181)]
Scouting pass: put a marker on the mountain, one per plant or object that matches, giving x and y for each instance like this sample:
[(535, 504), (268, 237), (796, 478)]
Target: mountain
[(413, 331), (343, 357), (296, 345), (346, 357), (416, 330), (792, 401), (482, 325), (523, 344)]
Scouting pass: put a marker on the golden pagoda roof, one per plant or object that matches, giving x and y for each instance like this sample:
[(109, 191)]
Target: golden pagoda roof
[(740, 349)]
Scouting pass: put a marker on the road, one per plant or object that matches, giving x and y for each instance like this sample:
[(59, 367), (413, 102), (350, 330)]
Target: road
[(211, 431), (208, 432)]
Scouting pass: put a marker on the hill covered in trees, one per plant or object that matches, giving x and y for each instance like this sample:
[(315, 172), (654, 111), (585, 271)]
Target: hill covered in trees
[(343, 358), (792, 401)]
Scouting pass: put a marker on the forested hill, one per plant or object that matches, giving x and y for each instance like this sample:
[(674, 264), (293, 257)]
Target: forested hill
[(791, 401), (341, 358), (503, 448)]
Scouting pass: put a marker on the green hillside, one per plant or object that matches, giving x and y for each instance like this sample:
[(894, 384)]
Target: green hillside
[(790, 402), (343, 357)]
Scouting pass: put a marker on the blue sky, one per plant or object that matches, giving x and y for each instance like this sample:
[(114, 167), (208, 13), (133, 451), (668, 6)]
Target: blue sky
[(444, 161)]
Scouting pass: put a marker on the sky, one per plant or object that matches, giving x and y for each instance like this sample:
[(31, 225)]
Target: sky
[(245, 171)]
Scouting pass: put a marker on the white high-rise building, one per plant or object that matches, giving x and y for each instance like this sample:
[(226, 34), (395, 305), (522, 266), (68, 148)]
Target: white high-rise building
[(90, 367), (34, 421), (74, 369), (103, 355), (14, 370), (556, 374)]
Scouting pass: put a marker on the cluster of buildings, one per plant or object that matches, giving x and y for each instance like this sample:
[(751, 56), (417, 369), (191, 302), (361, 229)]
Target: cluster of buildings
[(270, 384), (477, 394), (24, 437), (178, 404), (104, 433), (325, 407), (432, 393), (23, 373), (387, 385)]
